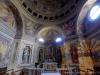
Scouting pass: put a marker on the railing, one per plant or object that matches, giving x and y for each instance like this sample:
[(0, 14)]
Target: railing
[(63, 71)]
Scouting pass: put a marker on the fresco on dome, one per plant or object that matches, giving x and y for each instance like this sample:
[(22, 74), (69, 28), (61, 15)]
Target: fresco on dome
[(6, 16)]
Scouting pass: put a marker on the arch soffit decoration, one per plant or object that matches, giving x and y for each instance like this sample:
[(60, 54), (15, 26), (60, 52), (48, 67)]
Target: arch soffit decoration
[(87, 6), (45, 30), (18, 19)]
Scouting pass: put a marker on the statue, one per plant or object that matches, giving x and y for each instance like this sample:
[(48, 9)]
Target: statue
[(26, 55)]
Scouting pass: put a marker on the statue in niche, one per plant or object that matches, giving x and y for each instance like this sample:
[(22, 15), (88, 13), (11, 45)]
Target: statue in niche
[(26, 54)]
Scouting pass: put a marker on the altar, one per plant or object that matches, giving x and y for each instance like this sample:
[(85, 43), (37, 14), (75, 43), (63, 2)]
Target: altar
[(51, 73), (50, 66)]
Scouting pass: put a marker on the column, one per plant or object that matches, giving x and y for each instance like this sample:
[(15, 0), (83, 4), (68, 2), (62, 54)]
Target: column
[(13, 53), (66, 57)]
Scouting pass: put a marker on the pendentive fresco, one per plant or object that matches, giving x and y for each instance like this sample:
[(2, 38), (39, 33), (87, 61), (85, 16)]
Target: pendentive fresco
[(6, 16)]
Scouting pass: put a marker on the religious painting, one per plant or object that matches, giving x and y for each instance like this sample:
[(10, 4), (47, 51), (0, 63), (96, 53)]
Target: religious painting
[(4, 47), (26, 54), (6, 16), (91, 48), (31, 27)]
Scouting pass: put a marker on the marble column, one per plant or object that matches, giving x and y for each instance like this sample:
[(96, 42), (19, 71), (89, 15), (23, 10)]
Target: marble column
[(66, 57), (13, 54)]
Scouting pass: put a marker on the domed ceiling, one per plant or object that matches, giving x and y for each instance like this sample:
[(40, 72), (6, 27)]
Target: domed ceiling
[(49, 6), (60, 13), (52, 10)]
